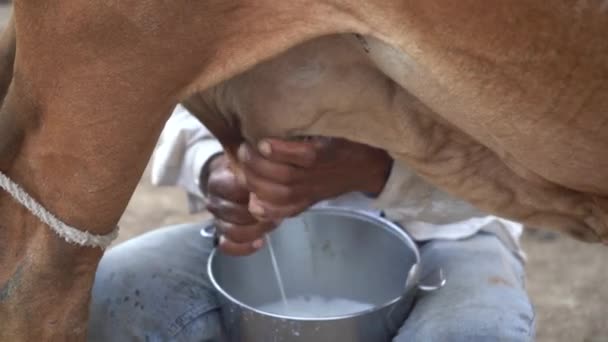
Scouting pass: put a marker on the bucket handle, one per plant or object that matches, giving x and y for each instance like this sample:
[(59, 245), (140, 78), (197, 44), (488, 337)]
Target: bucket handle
[(210, 232), (433, 281)]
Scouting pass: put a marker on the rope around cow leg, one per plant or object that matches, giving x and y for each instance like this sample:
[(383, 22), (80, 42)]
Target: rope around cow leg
[(68, 233)]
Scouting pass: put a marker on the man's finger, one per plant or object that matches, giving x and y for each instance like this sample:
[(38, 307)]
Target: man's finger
[(298, 153), (230, 211), (270, 191), (278, 172), (266, 211), (239, 249), (225, 185), (243, 234)]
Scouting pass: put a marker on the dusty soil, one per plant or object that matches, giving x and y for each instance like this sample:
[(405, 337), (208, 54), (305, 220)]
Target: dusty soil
[(565, 278)]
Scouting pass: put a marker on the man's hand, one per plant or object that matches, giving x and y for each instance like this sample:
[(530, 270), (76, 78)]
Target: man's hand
[(241, 233), (282, 179), (287, 177)]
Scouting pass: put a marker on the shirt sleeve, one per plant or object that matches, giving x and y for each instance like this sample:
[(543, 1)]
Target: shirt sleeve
[(183, 149)]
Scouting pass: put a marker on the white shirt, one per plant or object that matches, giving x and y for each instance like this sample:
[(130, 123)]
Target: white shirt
[(424, 211)]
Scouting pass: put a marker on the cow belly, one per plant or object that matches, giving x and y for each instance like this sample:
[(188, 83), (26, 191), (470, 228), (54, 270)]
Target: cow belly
[(337, 86)]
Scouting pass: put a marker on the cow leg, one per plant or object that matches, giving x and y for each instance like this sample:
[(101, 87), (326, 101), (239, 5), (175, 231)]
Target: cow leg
[(80, 154), (8, 43), (94, 83), (76, 130)]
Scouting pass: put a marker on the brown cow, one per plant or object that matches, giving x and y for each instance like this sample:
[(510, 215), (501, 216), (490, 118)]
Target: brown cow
[(503, 104)]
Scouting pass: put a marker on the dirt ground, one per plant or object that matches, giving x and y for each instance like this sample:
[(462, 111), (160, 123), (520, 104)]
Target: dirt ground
[(565, 278)]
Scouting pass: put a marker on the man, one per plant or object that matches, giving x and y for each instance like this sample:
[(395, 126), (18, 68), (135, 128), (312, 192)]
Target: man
[(155, 288)]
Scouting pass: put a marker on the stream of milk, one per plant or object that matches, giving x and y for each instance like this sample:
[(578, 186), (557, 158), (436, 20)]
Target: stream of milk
[(308, 306), (277, 273)]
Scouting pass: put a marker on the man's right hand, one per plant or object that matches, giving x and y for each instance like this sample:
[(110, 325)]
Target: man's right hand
[(241, 233)]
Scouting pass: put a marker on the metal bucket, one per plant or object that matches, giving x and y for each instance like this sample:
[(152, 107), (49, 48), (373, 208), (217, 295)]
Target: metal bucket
[(328, 252)]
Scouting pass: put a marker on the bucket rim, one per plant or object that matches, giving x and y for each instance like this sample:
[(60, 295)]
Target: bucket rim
[(410, 285)]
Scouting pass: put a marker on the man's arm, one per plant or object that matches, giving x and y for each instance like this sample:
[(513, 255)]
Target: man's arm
[(184, 151)]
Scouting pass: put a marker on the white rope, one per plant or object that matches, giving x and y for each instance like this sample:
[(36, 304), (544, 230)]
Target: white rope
[(68, 233)]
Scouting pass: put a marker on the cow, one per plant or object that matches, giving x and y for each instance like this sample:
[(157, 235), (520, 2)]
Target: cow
[(502, 104)]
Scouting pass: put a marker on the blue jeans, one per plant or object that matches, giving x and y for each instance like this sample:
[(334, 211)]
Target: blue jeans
[(155, 288)]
